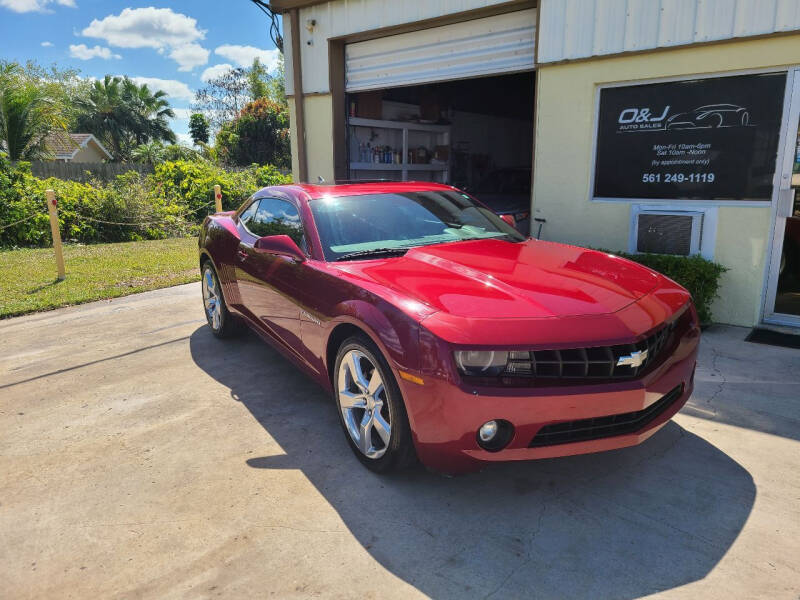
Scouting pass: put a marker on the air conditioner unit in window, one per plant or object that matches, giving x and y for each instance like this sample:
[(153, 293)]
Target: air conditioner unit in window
[(668, 232)]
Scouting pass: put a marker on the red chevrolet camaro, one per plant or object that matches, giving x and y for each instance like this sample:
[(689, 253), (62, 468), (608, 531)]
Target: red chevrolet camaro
[(442, 332)]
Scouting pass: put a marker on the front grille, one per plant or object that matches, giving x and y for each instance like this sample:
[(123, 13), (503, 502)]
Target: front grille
[(591, 364), (595, 428)]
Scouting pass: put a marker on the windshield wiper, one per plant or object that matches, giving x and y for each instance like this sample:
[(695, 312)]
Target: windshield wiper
[(373, 252)]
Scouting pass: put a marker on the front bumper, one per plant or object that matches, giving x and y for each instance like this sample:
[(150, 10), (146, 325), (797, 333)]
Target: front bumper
[(445, 415)]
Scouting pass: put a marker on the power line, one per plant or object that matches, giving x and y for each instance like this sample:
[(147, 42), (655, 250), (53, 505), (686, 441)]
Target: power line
[(274, 23)]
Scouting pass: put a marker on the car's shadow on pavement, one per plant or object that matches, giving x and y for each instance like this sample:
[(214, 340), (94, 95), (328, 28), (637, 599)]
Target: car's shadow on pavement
[(620, 524)]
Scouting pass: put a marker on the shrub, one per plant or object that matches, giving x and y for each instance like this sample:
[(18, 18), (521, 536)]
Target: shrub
[(192, 183), (259, 134), (697, 274), (170, 202), (21, 200)]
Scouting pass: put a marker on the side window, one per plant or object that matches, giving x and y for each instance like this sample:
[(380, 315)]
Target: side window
[(276, 217), (246, 216)]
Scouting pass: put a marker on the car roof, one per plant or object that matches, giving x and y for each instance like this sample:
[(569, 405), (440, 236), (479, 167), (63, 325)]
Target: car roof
[(314, 191)]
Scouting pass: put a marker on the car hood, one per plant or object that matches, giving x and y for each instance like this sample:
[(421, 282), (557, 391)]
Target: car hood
[(503, 280)]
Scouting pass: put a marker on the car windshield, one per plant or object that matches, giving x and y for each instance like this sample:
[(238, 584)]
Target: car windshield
[(378, 223)]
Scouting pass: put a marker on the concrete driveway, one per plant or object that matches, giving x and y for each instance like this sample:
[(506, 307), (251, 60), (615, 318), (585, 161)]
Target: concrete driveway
[(142, 458)]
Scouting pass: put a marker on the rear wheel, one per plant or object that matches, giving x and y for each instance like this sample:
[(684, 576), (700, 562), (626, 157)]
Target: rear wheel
[(371, 407), (219, 319)]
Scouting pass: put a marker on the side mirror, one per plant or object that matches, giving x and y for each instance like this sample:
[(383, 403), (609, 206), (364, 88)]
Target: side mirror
[(281, 245), (509, 219)]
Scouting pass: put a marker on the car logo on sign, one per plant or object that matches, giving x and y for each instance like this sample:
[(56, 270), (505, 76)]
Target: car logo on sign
[(633, 360)]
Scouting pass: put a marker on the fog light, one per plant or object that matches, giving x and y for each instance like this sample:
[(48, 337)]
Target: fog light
[(487, 431), (495, 435)]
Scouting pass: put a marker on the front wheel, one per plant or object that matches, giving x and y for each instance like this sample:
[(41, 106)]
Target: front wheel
[(371, 408), (219, 318)]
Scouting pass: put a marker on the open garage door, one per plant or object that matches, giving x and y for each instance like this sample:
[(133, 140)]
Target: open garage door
[(488, 46)]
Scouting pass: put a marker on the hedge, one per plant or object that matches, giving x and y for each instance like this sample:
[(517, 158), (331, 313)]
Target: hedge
[(697, 274), (170, 202)]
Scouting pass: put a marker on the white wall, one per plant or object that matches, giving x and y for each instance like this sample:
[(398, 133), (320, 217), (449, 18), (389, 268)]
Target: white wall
[(565, 125), (573, 29)]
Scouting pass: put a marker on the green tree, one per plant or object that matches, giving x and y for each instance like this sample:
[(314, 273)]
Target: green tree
[(149, 152), (175, 152), (124, 115), (277, 83), (223, 97), (28, 112), (103, 113), (198, 129), (152, 112), (260, 134), (64, 86), (258, 80)]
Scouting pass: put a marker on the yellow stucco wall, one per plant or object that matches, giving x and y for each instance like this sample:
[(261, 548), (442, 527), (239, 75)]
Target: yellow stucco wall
[(89, 154), (565, 113), (319, 137)]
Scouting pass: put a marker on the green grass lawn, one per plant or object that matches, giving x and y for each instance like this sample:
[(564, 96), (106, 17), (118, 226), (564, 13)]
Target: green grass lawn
[(28, 276)]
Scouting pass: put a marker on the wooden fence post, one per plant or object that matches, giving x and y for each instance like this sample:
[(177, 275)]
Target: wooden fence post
[(218, 198), (52, 208)]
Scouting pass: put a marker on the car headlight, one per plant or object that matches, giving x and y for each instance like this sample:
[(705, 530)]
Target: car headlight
[(481, 363)]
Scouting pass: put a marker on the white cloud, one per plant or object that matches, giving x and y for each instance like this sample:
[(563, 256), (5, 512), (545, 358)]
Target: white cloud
[(243, 55), (215, 71), (159, 28), (184, 139), (176, 90), (145, 28), (83, 52), (47, 44), (24, 6), (189, 56)]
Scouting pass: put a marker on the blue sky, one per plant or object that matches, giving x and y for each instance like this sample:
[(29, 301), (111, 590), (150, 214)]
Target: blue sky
[(173, 45)]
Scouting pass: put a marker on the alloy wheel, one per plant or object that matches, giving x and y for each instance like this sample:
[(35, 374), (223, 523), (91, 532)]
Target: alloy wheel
[(211, 299), (364, 404)]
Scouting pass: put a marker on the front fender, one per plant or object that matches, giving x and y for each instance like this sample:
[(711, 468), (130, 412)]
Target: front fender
[(395, 334)]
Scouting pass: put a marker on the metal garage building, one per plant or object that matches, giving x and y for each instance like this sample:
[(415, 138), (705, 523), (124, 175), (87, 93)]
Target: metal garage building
[(667, 126)]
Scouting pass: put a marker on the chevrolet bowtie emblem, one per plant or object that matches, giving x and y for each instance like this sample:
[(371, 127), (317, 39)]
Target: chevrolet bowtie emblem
[(633, 360)]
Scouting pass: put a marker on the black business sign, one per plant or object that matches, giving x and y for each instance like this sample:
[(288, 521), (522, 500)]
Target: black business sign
[(703, 139)]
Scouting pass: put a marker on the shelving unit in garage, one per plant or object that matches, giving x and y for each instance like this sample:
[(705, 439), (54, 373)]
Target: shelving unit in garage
[(411, 150)]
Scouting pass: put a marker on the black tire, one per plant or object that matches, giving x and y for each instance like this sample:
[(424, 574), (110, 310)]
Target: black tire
[(227, 325), (399, 452)]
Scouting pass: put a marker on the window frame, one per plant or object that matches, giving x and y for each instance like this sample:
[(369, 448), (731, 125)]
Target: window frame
[(304, 229), (242, 211)]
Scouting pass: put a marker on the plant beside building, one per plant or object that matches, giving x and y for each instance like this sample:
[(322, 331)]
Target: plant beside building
[(171, 202)]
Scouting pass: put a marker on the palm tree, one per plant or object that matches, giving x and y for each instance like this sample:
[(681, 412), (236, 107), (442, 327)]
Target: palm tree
[(125, 115), (152, 112), (104, 114), (149, 152), (27, 115)]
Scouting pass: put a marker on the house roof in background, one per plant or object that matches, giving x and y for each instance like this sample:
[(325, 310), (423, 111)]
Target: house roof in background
[(65, 146)]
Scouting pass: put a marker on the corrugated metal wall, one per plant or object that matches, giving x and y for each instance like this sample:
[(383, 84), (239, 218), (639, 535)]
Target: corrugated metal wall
[(498, 44), (344, 17), (573, 29)]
